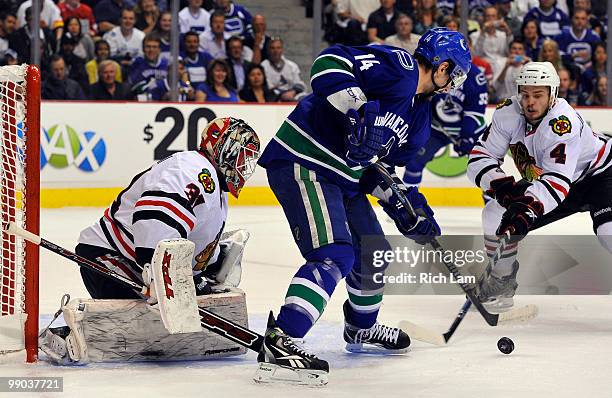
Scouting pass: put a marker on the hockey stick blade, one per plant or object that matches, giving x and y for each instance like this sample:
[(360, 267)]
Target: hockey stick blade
[(213, 322), (522, 314), (420, 333)]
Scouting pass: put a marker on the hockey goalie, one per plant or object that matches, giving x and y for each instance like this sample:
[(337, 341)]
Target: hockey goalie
[(165, 232)]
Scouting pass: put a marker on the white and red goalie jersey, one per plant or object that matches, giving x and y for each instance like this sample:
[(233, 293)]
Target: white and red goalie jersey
[(560, 150), (178, 197)]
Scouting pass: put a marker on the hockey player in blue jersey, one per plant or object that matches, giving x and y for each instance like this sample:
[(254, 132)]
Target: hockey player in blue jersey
[(457, 118), (369, 104)]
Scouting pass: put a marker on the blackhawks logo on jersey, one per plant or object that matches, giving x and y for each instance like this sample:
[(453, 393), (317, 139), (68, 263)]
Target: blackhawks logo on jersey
[(206, 180), (525, 163), (204, 256), (504, 102), (561, 125)]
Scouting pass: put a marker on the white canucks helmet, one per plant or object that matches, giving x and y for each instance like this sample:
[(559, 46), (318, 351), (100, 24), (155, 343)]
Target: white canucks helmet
[(539, 74)]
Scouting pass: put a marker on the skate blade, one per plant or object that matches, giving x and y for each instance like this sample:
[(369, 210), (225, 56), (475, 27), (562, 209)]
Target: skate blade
[(373, 349), (271, 373), (499, 305)]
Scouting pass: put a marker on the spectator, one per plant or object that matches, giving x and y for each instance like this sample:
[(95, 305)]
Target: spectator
[(162, 30), (598, 96), (575, 42), (258, 40), (451, 22), (283, 75), (108, 88), (217, 87), (125, 41), (550, 19), (20, 41), (213, 40), (50, 16), (75, 66), (594, 22), (505, 84), (484, 66), (194, 17), (426, 15), (445, 7), (195, 61), (531, 38), (237, 63), (147, 14), (520, 8), (404, 38), (256, 87), (7, 26), (550, 52), (186, 90), (513, 22), (102, 51), (351, 20), (82, 12), (108, 14), (381, 23), (149, 71), (492, 40), (238, 19), (568, 86), (597, 68), (85, 46), (10, 58), (58, 86)]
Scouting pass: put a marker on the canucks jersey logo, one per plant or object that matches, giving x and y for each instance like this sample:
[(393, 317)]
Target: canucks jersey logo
[(525, 163), (561, 125), (207, 181), (504, 102)]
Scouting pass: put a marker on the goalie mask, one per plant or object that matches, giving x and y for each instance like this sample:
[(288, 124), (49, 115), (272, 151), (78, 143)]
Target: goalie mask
[(233, 146)]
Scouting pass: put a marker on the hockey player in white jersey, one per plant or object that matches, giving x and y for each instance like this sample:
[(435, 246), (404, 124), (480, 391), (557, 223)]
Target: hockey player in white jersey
[(182, 196), (565, 168)]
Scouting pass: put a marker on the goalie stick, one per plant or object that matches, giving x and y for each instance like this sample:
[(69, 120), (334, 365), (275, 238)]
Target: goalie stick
[(215, 323), (526, 312)]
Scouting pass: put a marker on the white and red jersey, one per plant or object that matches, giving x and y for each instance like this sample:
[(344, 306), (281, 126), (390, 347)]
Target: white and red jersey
[(178, 197), (552, 155)]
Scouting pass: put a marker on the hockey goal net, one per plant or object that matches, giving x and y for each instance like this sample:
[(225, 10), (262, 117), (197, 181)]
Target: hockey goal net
[(19, 190)]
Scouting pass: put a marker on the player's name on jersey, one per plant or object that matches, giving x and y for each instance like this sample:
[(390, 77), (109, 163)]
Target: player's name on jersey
[(422, 278), (395, 123)]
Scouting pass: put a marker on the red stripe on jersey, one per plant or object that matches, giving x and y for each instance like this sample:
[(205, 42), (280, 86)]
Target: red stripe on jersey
[(477, 152), (600, 154), (117, 233), (177, 212), (558, 187)]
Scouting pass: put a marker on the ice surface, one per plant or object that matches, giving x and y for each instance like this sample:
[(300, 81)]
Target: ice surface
[(564, 352)]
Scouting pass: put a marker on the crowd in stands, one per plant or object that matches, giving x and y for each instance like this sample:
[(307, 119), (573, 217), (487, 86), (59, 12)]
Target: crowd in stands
[(503, 35), (120, 49)]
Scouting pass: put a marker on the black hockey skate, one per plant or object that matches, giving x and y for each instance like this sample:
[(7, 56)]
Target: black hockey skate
[(379, 338), (497, 293), (281, 360)]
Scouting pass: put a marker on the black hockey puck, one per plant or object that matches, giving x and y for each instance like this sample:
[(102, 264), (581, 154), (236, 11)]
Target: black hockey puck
[(505, 345)]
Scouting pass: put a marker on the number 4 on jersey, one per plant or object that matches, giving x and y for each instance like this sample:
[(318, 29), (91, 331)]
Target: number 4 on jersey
[(366, 61)]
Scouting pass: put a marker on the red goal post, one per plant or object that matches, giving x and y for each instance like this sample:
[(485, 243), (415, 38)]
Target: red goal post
[(20, 194)]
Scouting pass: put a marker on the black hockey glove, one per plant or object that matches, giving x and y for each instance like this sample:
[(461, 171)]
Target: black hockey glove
[(505, 190), (520, 216)]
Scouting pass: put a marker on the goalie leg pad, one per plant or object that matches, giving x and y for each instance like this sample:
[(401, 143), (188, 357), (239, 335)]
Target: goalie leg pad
[(129, 330)]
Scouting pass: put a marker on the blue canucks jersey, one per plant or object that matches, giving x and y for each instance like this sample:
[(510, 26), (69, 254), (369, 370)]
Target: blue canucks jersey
[(344, 78), (460, 112), (550, 22), (570, 44), (238, 20), (196, 67)]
